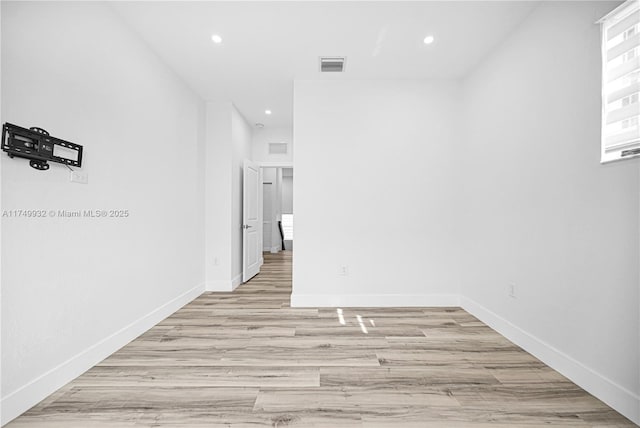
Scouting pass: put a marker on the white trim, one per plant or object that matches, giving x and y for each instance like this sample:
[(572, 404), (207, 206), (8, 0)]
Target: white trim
[(218, 285), (275, 164), (224, 285), (235, 282), (616, 396), (373, 300), (607, 161), (27, 396), (626, 4)]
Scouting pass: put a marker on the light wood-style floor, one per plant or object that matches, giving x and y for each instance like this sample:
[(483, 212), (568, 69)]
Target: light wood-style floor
[(246, 359)]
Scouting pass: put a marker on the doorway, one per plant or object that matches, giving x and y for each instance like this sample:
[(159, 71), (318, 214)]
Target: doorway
[(277, 218), (287, 208)]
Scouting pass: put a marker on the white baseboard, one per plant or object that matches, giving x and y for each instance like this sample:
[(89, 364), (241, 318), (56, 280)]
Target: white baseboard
[(372, 300), (224, 285), (616, 396), (235, 282), (27, 396), (220, 285)]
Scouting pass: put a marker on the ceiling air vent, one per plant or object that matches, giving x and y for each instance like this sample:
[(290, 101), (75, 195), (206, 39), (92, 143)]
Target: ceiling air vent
[(277, 148), (332, 64)]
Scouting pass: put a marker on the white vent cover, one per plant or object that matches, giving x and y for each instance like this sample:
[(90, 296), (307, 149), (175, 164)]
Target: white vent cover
[(334, 64), (277, 148)]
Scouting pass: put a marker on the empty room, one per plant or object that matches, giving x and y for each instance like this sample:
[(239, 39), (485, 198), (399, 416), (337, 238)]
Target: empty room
[(376, 214)]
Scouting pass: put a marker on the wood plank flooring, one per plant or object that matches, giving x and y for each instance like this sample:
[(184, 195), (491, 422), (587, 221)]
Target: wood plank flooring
[(246, 359)]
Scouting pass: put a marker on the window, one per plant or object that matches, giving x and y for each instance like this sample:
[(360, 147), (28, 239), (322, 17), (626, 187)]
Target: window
[(287, 226), (621, 82)]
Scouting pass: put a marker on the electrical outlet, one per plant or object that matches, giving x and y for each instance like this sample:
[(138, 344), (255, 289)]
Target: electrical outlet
[(215, 261), (512, 290), (343, 270), (79, 177)]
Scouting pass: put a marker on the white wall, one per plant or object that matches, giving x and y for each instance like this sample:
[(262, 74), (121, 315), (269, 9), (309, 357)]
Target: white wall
[(260, 144), (76, 289), (375, 173), (241, 140), (218, 197), (228, 144), (543, 213)]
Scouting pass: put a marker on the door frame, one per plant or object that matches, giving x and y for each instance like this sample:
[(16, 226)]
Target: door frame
[(277, 165)]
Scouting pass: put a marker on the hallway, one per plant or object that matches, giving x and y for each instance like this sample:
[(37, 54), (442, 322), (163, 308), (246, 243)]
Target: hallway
[(247, 359)]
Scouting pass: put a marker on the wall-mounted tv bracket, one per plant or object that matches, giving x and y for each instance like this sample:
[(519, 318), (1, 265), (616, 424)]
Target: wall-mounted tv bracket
[(39, 147)]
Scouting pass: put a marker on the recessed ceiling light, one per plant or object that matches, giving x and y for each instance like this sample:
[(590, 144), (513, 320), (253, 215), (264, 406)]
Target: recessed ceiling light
[(267, 112), (216, 39), (428, 40)]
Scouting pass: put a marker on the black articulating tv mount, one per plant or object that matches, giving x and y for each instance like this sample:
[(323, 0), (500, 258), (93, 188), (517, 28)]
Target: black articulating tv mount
[(39, 147)]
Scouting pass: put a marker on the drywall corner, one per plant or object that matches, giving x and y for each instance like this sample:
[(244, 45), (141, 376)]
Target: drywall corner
[(613, 394), (19, 401)]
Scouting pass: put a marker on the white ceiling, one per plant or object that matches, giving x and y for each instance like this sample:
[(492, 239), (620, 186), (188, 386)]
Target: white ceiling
[(266, 45)]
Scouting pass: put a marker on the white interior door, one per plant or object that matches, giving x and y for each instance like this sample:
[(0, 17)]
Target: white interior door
[(251, 221)]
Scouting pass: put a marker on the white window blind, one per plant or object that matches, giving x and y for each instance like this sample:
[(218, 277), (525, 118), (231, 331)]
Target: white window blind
[(621, 82)]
